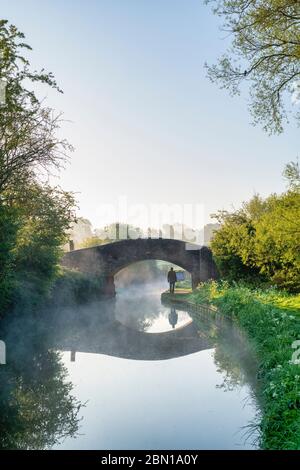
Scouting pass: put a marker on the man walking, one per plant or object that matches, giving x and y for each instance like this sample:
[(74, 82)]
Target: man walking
[(172, 279)]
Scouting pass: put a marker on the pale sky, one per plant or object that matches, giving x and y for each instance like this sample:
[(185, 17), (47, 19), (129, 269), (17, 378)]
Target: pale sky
[(146, 123)]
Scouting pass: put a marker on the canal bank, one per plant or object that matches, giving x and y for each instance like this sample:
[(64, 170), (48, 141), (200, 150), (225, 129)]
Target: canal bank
[(271, 320)]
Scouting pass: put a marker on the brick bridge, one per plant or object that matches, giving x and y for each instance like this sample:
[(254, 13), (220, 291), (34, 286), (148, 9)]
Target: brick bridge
[(107, 260)]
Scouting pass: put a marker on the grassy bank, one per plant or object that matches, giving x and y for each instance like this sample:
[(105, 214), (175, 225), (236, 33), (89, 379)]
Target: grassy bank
[(271, 319)]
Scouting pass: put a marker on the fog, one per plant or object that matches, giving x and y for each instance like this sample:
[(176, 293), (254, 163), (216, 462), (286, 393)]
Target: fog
[(49, 352)]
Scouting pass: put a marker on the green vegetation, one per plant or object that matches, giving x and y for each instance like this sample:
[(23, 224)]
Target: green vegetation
[(257, 251), (260, 243), (93, 241), (186, 284), (34, 217), (37, 408), (74, 287), (265, 53), (272, 320)]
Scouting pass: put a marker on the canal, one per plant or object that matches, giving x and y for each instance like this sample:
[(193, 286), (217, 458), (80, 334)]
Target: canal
[(185, 386), (137, 374)]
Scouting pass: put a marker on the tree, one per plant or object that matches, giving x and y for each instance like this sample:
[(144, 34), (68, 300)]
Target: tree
[(15, 70), (292, 175), (233, 243), (33, 216), (9, 225), (28, 131), (45, 215), (265, 53), (30, 147), (261, 241), (92, 241)]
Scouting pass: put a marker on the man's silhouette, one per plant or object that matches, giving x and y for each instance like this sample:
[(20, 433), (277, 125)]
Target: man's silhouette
[(172, 279)]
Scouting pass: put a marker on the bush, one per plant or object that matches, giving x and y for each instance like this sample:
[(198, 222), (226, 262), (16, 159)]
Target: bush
[(260, 243), (8, 234), (74, 287)]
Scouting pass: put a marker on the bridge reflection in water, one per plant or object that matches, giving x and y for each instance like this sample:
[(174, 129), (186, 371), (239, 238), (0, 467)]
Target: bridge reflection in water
[(98, 331), (132, 402), (154, 389)]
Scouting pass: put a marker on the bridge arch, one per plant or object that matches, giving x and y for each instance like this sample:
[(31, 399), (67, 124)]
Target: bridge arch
[(107, 260)]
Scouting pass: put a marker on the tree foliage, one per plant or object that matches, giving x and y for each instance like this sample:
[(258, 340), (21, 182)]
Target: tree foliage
[(8, 233), (34, 216), (265, 53), (292, 175), (45, 213), (29, 142), (261, 241)]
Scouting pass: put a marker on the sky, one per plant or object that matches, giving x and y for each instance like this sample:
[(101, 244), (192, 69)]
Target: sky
[(147, 125)]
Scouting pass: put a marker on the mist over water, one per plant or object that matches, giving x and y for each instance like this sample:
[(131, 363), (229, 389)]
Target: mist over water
[(139, 307), (138, 302), (150, 377), (199, 398)]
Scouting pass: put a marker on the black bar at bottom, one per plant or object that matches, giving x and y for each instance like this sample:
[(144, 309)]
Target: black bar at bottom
[(134, 459)]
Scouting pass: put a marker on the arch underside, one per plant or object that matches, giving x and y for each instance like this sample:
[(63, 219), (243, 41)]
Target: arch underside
[(174, 261), (122, 254)]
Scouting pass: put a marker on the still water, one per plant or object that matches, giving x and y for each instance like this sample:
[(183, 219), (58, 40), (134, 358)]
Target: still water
[(185, 386), (137, 374)]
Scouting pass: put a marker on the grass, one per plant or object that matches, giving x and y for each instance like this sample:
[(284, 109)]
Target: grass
[(186, 284), (271, 319)]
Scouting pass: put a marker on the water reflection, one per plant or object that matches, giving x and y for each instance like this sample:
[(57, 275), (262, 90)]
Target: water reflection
[(141, 309), (97, 329), (173, 317), (37, 407), (152, 377)]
